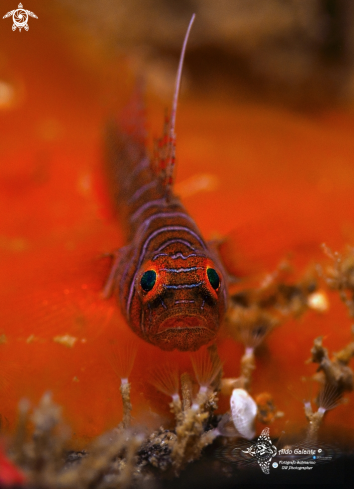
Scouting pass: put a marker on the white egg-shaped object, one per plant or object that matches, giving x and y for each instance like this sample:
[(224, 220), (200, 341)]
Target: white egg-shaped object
[(243, 413)]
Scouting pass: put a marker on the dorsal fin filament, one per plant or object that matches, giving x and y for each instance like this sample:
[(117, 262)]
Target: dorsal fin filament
[(165, 147)]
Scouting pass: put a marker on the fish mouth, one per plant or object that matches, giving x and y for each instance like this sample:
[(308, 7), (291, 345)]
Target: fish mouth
[(184, 333), (182, 322)]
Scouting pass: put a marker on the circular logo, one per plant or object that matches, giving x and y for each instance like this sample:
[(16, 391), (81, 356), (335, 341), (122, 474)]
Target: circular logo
[(319, 450), (20, 17), (275, 465)]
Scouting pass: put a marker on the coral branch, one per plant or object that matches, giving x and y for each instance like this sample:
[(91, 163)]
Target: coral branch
[(336, 378), (127, 407)]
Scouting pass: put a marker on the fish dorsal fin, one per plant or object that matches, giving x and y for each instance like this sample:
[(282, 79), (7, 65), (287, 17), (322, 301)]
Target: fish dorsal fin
[(164, 148), (132, 117)]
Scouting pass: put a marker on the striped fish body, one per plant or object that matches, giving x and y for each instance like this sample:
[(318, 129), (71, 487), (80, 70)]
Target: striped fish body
[(169, 284)]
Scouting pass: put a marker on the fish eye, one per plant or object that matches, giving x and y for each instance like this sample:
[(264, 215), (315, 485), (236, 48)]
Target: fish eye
[(148, 280), (213, 278)]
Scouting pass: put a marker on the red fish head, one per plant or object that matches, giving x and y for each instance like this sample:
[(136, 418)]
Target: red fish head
[(181, 301)]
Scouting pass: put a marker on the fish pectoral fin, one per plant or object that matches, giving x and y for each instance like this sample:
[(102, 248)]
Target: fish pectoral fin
[(117, 256)]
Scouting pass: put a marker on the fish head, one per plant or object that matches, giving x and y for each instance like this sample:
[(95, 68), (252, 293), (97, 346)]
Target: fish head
[(182, 301)]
